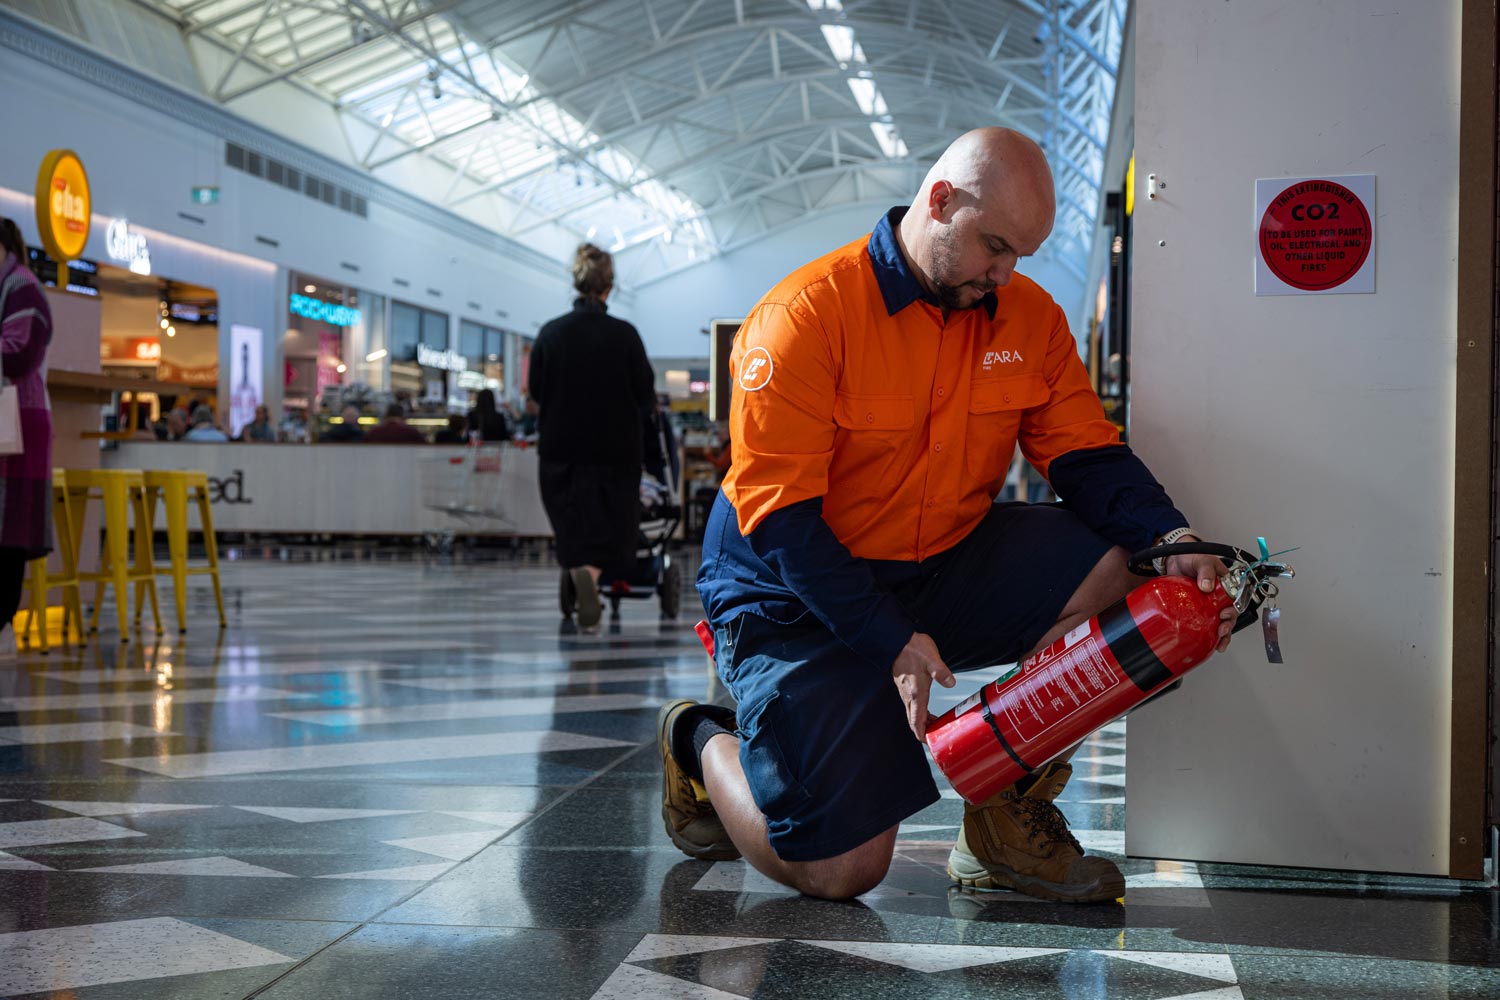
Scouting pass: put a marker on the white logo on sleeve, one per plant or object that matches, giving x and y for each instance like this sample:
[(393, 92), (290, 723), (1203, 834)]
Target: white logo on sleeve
[(993, 358), (755, 369)]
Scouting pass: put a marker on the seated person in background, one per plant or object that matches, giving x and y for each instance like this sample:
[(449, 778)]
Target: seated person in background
[(203, 428), (720, 457), (260, 428), (529, 411), (455, 433), (488, 419), (347, 431), (394, 429), (174, 427)]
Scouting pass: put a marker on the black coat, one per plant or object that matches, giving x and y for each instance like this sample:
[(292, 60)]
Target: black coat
[(590, 377)]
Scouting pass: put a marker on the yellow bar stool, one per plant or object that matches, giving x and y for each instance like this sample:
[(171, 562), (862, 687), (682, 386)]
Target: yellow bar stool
[(176, 490), (122, 491), (65, 579)]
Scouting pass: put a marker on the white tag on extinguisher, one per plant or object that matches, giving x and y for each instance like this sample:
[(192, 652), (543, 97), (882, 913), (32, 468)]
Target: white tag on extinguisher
[(1270, 626), (972, 701)]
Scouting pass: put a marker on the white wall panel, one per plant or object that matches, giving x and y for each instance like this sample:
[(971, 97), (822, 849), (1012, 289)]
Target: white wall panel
[(1320, 421)]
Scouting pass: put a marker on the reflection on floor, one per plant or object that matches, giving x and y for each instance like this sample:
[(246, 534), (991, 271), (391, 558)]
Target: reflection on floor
[(400, 778)]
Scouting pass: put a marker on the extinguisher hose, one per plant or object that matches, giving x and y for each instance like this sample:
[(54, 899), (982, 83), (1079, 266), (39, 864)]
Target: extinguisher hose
[(1141, 565)]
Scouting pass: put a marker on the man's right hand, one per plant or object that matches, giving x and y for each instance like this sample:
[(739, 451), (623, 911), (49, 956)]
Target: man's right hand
[(915, 669)]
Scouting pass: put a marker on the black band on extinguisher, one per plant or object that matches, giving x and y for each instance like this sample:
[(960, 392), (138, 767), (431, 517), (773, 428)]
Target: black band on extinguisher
[(1131, 650), (984, 710)]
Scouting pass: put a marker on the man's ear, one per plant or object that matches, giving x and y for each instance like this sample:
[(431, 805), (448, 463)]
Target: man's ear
[(940, 201)]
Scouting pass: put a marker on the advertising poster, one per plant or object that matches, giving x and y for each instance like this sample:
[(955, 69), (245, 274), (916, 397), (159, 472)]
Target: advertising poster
[(245, 377)]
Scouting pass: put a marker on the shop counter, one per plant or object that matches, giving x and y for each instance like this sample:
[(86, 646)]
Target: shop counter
[(371, 489)]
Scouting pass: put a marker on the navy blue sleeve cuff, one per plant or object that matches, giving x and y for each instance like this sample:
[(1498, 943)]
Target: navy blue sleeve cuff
[(1115, 494), (799, 547)]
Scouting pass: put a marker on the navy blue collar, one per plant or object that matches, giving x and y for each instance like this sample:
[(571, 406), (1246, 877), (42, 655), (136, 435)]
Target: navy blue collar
[(899, 288), (589, 303)]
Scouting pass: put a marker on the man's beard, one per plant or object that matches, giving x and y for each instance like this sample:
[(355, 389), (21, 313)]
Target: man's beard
[(944, 263)]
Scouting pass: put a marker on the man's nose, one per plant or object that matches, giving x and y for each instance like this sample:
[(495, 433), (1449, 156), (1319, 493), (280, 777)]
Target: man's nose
[(1000, 273)]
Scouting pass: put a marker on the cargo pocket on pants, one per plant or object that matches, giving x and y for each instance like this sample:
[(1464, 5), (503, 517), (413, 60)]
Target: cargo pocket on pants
[(768, 771)]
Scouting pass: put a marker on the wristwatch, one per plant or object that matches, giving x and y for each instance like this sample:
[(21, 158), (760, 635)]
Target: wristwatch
[(1171, 537)]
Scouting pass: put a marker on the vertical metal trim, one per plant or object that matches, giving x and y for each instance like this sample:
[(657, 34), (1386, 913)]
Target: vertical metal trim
[(1474, 440)]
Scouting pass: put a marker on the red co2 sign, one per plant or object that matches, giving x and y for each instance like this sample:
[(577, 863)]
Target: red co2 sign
[(1315, 235)]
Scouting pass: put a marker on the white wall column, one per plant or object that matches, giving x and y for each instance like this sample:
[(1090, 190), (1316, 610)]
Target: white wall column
[(1323, 421)]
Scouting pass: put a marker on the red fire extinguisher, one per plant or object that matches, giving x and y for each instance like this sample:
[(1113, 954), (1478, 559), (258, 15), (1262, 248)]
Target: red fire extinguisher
[(1112, 663)]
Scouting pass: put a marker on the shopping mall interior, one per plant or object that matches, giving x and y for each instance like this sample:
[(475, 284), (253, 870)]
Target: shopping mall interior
[(469, 469)]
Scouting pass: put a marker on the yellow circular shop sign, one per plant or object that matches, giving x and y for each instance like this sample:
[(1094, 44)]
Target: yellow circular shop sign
[(63, 205)]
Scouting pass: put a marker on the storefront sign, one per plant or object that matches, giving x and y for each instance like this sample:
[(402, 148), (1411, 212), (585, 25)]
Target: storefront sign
[(127, 247), (128, 349), (228, 489), (205, 375), (63, 205), (1316, 235), (205, 195), (189, 313), (451, 361), (471, 380), (325, 312)]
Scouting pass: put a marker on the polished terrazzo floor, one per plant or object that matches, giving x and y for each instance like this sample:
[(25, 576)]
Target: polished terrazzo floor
[(398, 777)]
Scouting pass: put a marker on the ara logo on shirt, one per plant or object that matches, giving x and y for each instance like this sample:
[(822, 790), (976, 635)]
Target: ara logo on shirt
[(993, 358), (755, 369)]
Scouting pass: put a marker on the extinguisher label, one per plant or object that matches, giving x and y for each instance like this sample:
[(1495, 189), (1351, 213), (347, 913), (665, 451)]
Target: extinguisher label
[(1055, 687), (968, 702)]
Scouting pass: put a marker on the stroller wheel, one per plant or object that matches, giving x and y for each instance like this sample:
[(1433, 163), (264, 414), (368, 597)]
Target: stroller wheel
[(567, 595), (670, 591)]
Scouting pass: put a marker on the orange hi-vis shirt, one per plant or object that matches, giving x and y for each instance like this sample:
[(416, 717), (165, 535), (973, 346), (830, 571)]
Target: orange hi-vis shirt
[(903, 422)]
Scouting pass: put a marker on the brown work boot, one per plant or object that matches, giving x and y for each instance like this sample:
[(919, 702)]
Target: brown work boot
[(689, 817), (1022, 842)]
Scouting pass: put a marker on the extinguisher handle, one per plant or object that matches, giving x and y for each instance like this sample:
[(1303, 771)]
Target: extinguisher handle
[(1140, 563)]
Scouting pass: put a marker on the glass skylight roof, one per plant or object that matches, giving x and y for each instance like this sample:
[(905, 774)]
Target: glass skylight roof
[(674, 130)]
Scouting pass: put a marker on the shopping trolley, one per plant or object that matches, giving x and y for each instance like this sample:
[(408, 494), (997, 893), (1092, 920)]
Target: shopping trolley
[(466, 487)]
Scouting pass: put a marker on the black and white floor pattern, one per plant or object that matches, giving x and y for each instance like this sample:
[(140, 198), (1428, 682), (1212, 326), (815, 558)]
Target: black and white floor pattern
[(402, 778)]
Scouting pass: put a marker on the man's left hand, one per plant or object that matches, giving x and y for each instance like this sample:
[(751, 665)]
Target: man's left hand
[(1206, 570)]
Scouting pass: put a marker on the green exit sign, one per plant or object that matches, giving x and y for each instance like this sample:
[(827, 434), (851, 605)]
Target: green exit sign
[(205, 195)]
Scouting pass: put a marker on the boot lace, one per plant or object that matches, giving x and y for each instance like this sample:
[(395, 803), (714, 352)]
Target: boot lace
[(1045, 824)]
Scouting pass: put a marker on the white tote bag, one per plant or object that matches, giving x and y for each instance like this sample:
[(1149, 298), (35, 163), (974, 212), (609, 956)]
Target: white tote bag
[(10, 410), (10, 420)]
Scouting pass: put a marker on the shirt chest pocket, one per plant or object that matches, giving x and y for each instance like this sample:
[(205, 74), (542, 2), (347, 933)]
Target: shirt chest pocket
[(996, 406), (874, 433)]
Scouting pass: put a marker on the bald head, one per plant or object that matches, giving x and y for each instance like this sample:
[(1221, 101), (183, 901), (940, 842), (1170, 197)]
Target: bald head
[(986, 203), (993, 164)]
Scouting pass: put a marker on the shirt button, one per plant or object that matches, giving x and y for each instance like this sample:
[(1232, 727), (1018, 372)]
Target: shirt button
[(938, 446), (940, 390), (932, 503), (869, 418), (1007, 397)]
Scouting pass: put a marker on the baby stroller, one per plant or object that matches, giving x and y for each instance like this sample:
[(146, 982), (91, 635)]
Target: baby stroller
[(654, 571)]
